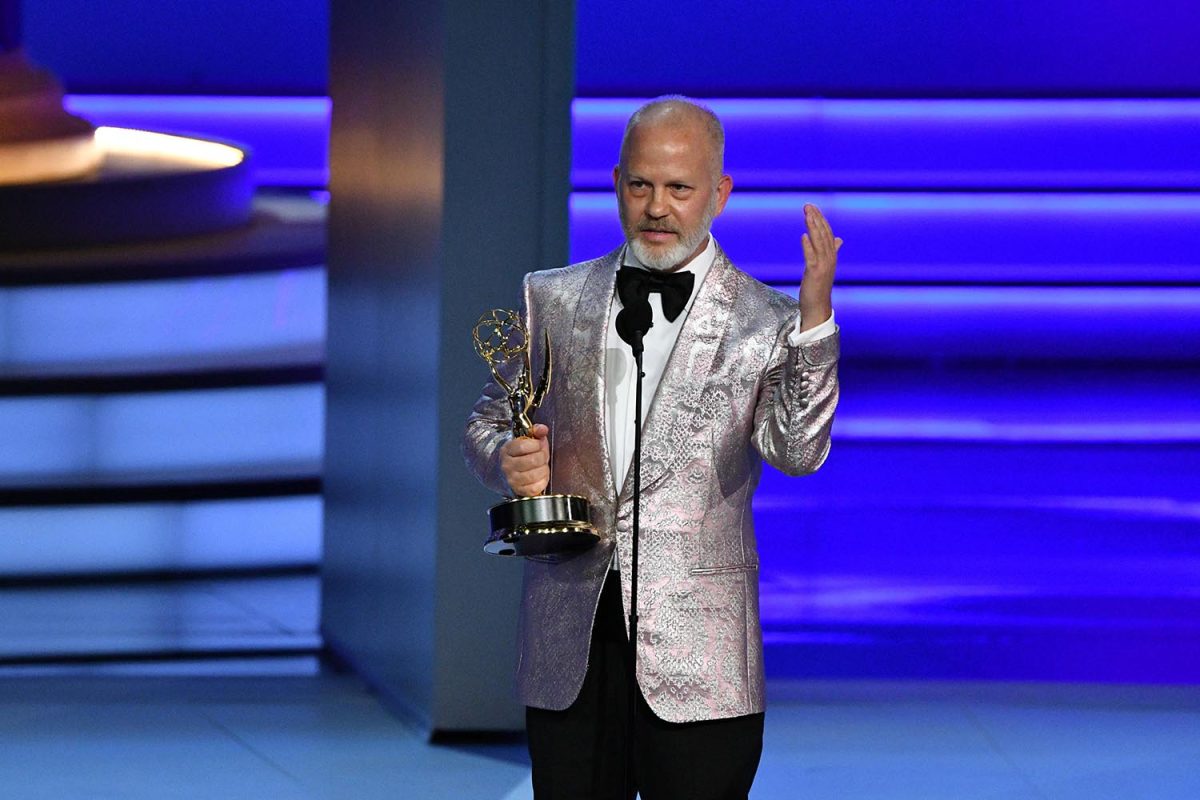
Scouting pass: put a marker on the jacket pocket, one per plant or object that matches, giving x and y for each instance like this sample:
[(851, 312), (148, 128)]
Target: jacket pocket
[(723, 570)]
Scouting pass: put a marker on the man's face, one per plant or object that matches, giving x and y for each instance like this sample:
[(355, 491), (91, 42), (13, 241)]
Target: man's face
[(667, 194)]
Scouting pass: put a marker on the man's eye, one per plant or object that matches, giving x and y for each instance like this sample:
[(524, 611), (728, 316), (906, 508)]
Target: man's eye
[(636, 184)]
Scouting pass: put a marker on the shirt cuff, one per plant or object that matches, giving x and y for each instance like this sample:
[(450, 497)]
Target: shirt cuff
[(798, 337)]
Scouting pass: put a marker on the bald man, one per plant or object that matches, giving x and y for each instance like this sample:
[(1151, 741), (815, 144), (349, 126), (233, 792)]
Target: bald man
[(735, 373)]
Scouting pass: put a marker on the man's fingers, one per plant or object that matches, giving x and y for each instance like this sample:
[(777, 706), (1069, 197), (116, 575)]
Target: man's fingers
[(528, 463), (523, 446), (525, 461), (526, 468), (524, 453), (819, 243), (818, 227), (535, 458), (817, 254), (528, 473)]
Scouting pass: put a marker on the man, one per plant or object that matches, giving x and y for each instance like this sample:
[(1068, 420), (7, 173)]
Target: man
[(734, 373)]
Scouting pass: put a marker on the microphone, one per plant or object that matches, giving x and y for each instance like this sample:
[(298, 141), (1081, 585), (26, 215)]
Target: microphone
[(632, 323)]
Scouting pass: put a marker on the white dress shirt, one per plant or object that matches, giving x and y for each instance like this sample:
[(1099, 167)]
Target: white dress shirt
[(620, 385)]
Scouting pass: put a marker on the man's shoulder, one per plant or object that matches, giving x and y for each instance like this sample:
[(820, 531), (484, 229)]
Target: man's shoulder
[(753, 292), (561, 278)]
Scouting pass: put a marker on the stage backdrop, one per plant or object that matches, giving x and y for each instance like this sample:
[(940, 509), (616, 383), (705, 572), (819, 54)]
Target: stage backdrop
[(1012, 488)]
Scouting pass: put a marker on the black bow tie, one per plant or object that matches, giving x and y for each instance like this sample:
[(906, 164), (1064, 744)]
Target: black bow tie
[(635, 285)]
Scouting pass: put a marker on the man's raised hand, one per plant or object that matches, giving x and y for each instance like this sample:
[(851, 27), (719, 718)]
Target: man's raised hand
[(820, 262), (525, 462)]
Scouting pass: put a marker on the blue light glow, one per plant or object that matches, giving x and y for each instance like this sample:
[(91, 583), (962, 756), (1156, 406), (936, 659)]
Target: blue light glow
[(974, 203), (914, 237), (732, 109), (1002, 301), (276, 429), (310, 109), (1016, 322), (1015, 451), (946, 497), (288, 136), (930, 144), (170, 324), (214, 534), (1015, 202), (1131, 507)]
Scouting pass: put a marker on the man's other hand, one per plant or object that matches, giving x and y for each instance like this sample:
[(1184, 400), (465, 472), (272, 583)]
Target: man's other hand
[(820, 262), (525, 462)]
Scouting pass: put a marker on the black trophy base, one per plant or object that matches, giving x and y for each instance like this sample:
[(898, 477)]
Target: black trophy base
[(546, 525)]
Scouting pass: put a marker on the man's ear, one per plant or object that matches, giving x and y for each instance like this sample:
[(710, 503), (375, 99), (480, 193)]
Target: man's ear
[(724, 188)]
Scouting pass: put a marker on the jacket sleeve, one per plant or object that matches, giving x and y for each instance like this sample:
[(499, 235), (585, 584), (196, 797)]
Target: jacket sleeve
[(796, 402), (489, 426)]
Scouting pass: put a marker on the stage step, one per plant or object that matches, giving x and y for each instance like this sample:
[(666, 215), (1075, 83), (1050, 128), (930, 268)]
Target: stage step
[(67, 439), (225, 618), (69, 542), (165, 409)]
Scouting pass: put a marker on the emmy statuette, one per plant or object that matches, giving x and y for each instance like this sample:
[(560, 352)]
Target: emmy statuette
[(547, 524)]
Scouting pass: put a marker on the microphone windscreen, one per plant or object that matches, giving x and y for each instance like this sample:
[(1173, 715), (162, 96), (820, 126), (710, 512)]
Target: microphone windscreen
[(633, 319)]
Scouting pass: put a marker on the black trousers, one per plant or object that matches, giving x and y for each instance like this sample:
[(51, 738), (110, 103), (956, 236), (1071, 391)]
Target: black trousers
[(579, 753)]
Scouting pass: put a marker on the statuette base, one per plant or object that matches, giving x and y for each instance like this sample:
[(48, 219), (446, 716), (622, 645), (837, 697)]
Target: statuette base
[(544, 525)]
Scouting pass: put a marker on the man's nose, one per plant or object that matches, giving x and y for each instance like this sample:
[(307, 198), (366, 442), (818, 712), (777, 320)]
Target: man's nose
[(657, 207)]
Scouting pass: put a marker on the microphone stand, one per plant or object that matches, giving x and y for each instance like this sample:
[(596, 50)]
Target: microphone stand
[(636, 345)]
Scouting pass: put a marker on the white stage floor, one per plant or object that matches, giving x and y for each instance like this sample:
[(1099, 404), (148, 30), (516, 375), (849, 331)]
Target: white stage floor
[(132, 736)]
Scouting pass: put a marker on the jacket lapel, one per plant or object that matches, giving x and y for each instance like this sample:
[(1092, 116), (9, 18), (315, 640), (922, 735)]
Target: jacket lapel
[(675, 426), (586, 367)]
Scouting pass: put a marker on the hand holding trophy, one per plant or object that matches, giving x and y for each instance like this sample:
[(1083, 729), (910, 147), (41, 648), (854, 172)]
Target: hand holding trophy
[(546, 524)]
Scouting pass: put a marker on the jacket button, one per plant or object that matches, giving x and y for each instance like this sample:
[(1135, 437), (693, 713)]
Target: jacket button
[(623, 525)]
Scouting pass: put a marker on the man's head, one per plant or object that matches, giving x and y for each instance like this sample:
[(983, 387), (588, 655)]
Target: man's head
[(669, 181)]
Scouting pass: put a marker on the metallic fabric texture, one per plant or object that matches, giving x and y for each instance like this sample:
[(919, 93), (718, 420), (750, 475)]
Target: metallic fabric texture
[(734, 393)]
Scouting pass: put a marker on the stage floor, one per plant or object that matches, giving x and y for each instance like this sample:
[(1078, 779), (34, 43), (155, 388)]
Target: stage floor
[(125, 734)]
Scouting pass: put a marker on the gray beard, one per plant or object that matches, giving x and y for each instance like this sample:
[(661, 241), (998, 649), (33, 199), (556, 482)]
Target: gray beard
[(667, 260)]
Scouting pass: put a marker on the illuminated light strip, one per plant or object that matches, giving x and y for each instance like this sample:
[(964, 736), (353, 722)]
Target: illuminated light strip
[(298, 108), (171, 324), (1050, 109), (1100, 299), (275, 430), (1021, 202), (973, 237), (973, 202), (1168, 508), (1128, 324), (289, 136), (146, 144), (206, 534), (974, 144)]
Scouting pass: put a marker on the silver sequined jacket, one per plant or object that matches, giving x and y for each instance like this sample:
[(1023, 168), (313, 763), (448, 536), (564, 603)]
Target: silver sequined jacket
[(733, 393)]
